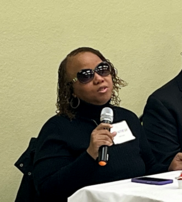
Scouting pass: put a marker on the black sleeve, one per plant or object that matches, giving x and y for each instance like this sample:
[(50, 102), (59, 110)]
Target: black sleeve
[(152, 166), (161, 130), (57, 173)]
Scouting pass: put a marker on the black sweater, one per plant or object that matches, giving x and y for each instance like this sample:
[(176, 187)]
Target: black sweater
[(62, 165)]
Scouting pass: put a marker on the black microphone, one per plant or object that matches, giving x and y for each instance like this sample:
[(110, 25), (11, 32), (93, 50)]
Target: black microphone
[(106, 116)]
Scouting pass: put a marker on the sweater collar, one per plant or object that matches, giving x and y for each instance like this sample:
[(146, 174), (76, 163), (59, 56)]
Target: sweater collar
[(90, 111)]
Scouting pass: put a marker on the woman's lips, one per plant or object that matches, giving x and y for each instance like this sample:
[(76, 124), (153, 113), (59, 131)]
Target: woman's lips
[(102, 89)]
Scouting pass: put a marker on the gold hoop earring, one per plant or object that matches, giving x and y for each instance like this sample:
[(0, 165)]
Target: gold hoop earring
[(72, 103)]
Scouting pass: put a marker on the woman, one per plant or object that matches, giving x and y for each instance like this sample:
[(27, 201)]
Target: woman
[(67, 148)]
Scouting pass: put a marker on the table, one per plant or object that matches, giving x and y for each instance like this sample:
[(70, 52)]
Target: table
[(127, 191)]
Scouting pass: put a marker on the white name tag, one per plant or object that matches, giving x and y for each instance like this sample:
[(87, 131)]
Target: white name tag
[(124, 134)]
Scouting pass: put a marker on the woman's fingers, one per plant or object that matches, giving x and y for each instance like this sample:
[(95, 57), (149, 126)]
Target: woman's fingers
[(100, 136)]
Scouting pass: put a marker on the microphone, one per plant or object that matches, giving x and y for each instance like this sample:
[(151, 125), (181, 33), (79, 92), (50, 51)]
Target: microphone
[(106, 116)]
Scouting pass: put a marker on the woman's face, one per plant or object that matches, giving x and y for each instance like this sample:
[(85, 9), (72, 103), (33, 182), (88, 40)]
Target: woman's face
[(99, 90)]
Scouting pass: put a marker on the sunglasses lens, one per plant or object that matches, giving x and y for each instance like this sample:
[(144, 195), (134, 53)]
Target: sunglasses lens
[(103, 69), (85, 76)]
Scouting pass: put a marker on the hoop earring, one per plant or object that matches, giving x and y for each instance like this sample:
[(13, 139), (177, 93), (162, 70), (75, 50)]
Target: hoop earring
[(72, 102)]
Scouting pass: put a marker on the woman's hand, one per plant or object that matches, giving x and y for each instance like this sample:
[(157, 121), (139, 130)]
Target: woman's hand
[(100, 136), (176, 163)]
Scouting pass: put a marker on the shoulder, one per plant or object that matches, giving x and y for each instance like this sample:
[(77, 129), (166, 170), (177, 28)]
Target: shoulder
[(168, 90), (54, 124), (133, 122), (123, 110), (167, 99), (58, 119), (121, 113)]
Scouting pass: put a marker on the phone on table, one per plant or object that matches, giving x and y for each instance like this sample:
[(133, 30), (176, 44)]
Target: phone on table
[(151, 180)]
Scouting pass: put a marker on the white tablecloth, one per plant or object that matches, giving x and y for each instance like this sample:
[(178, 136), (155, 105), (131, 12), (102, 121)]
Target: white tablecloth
[(127, 191)]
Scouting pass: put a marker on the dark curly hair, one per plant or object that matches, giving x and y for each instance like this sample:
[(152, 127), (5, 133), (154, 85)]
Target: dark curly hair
[(65, 88)]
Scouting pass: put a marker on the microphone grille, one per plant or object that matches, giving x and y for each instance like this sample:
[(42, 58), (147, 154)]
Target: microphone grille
[(106, 114)]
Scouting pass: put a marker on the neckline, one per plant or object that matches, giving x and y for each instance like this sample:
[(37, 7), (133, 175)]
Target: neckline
[(90, 111)]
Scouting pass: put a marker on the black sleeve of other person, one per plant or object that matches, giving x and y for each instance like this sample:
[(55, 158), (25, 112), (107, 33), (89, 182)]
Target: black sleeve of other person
[(162, 130)]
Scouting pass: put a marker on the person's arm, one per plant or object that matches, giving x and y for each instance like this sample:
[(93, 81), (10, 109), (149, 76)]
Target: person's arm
[(152, 166), (161, 130), (58, 172), (59, 169), (59, 178)]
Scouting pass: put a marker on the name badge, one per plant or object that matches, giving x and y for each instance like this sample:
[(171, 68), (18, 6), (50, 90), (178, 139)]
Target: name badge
[(124, 133)]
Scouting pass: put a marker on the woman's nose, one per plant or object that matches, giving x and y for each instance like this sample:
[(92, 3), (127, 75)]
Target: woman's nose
[(98, 79)]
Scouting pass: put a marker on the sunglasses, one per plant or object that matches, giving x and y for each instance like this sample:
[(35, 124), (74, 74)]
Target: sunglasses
[(87, 75)]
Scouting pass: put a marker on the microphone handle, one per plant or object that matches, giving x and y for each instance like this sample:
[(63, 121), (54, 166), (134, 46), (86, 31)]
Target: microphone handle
[(103, 155), (103, 151)]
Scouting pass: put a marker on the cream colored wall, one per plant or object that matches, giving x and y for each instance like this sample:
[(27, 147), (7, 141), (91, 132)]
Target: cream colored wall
[(142, 38)]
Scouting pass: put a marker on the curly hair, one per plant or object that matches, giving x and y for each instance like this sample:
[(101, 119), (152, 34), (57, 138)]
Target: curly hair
[(65, 88)]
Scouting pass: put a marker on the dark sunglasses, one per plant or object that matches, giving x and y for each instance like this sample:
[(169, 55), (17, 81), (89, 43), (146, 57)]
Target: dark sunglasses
[(87, 75)]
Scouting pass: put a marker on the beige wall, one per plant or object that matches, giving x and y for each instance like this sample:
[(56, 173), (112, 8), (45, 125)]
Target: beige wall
[(142, 38)]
